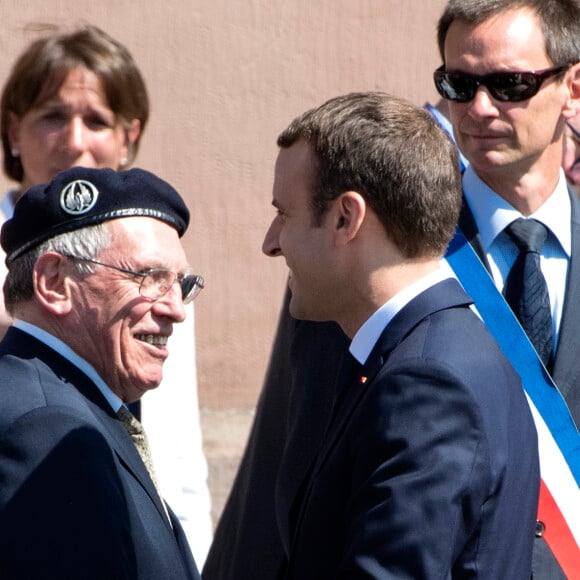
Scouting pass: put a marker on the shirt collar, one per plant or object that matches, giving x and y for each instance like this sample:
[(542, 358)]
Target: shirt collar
[(7, 205), (445, 124), (492, 213), (367, 335), (66, 352)]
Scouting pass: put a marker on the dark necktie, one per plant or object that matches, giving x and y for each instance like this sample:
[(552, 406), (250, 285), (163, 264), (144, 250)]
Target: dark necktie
[(135, 429), (526, 290), (349, 367)]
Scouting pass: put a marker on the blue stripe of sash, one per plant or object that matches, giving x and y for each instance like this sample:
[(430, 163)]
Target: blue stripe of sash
[(510, 336)]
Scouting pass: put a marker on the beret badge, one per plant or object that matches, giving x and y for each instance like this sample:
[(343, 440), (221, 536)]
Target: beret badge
[(81, 197), (78, 197)]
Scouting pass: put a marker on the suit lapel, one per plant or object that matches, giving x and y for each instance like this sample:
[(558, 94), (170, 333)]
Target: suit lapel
[(469, 229), (190, 564), (95, 403), (129, 457), (566, 371), (567, 361), (443, 295)]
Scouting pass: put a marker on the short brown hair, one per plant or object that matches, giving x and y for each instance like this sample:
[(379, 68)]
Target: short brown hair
[(395, 156), (41, 69), (559, 19)]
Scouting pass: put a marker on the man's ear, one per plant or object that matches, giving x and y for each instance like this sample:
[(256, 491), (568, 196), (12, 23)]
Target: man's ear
[(13, 131), (350, 209), (572, 106), (52, 283)]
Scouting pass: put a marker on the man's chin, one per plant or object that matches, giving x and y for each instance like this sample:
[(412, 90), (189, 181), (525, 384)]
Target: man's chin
[(297, 310), (143, 386), (301, 311)]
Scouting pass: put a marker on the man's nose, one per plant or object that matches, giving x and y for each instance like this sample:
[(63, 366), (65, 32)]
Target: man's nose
[(271, 244)]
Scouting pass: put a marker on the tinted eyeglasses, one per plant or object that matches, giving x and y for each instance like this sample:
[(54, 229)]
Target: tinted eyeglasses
[(156, 282), (503, 86)]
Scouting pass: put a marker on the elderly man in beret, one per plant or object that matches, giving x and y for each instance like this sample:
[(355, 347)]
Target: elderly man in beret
[(97, 278)]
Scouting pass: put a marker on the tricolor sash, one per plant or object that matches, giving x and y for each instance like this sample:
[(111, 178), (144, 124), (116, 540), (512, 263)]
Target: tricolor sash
[(558, 437)]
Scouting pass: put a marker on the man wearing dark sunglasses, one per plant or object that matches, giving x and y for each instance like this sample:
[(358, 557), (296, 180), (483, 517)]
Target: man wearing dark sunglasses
[(512, 80), (518, 83)]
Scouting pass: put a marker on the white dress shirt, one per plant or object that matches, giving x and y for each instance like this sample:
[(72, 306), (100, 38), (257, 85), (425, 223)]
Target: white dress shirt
[(369, 333), (69, 354), (492, 214)]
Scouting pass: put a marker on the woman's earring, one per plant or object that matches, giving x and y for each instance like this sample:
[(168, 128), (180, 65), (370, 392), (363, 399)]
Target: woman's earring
[(15, 152)]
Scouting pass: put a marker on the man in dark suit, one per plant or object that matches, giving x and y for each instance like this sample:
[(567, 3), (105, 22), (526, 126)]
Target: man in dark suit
[(529, 168), (96, 281), (428, 466), (511, 129)]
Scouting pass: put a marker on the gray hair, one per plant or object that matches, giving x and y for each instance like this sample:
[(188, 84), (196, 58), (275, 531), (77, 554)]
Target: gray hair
[(85, 243)]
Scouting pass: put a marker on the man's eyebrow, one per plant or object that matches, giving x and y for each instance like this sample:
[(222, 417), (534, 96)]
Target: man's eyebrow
[(158, 265)]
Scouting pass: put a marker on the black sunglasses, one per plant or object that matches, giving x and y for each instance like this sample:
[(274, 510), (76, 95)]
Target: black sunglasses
[(503, 86)]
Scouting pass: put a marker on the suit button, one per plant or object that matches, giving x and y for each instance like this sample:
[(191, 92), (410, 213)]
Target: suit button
[(540, 529)]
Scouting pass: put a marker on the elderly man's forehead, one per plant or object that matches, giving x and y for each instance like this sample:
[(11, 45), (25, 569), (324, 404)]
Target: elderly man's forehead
[(133, 226), (145, 242)]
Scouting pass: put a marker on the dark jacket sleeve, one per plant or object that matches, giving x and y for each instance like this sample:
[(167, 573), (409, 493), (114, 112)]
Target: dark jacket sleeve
[(61, 501)]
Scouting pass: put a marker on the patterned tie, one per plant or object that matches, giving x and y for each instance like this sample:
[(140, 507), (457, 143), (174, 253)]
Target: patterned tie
[(135, 429), (526, 290)]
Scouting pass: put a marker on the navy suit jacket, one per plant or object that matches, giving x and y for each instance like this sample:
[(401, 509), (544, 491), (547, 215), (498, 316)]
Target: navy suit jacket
[(76, 501), (290, 423), (291, 418), (566, 367), (429, 468)]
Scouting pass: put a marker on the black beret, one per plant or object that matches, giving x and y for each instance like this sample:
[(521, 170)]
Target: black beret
[(81, 197)]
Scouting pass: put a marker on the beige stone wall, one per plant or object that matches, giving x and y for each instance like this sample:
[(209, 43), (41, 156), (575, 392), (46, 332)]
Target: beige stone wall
[(225, 76)]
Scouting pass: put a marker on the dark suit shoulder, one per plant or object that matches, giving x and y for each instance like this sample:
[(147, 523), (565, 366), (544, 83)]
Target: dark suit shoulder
[(60, 472), (456, 341), (442, 428), (459, 339), (28, 384)]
